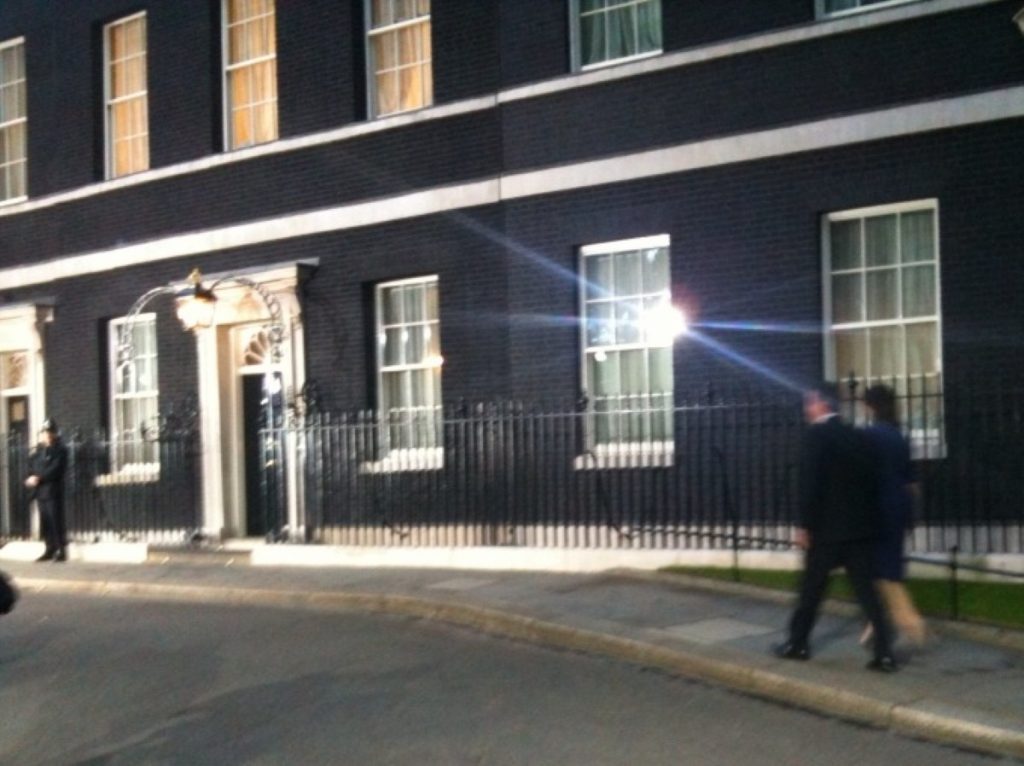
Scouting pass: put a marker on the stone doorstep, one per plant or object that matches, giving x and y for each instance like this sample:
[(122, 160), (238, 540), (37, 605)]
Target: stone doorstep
[(94, 553)]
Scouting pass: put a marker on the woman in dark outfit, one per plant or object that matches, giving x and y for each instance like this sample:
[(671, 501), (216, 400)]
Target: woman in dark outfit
[(897, 505)]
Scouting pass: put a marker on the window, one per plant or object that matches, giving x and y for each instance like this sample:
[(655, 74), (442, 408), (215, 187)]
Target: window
[(409, 364), (13, 122), (882, 306), (627, 342), (613, 30), (400, 55), (250, 72), (843, 7), (133, 393), (127, 106)]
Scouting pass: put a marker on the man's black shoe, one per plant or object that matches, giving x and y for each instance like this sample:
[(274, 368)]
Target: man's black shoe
[(791, 651), (60, 556), (884, 664), (48, 556)]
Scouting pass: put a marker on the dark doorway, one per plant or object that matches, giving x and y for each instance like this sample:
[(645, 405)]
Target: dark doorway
[(262, 402), (17, 449)]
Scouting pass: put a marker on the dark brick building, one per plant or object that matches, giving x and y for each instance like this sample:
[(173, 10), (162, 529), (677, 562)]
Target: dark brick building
[(499, 200)]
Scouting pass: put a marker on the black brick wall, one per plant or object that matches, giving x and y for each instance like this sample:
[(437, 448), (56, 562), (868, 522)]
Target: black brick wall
[(745, 237), (437, 152), (462, 249), (745, 249), (184, 90), (64, 56), (321, 65), (465, 39), (686, 24), (76, 343), (323, 86), (874, 68), (534, 40)]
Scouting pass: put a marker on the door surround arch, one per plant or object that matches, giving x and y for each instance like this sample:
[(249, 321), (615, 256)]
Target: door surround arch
[(221, 359)]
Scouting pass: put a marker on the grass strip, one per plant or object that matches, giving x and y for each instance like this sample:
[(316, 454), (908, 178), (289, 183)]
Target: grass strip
[(994, 603)]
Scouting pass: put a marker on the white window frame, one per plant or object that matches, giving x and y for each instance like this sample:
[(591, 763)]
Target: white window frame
[(145, 469), (108, 100), (23, 120), (576, 41), (925, 442), (821, 13), (369, 32), (403, 458), (621, 454), (227, 67)]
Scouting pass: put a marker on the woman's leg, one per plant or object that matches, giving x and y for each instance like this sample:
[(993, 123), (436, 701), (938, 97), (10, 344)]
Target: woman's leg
[(904, 614)]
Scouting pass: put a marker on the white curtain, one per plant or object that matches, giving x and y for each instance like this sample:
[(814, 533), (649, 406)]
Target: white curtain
[(615, 29)]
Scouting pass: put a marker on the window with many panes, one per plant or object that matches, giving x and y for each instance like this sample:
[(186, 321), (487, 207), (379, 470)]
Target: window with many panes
[(250, 72), (627, 342), (882, 306), (409, 364), (843, 7), (13, 122), (133, 392), (400, 51), (127, 107), (612, 30)]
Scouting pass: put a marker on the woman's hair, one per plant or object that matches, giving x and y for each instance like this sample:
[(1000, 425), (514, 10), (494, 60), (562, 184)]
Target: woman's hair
[(882, 401)]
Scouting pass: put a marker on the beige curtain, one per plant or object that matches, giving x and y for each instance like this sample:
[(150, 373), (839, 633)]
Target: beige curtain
[(12, 116), (252, 72), (128, 107), (403, 75)]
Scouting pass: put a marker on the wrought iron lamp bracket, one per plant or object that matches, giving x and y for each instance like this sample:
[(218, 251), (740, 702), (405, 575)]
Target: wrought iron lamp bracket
[(275, 327)]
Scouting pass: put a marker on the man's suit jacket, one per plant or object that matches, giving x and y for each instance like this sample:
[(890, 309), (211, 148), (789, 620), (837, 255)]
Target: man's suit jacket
[(49, 464), (839, 481)]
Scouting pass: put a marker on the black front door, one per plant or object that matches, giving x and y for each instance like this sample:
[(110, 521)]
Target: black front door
[(262, 418)]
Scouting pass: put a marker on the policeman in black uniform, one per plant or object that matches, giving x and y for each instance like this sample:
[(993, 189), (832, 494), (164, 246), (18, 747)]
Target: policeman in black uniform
[(47, 484)]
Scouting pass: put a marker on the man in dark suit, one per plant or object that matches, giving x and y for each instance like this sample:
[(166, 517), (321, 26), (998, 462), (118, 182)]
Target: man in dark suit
[(47, 484), (839, 523)]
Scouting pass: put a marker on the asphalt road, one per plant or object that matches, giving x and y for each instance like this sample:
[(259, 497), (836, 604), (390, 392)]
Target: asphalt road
[(102, 681)]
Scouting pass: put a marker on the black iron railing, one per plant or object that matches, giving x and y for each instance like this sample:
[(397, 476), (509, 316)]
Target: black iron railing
[(516, 474), (530, 475), (108, 499)]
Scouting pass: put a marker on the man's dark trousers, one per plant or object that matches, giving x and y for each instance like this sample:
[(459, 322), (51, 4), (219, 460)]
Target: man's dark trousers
[(51, 520), (858, 559), (839, 508)]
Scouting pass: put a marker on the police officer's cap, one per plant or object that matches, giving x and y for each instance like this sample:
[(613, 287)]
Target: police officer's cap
[(50, 425)]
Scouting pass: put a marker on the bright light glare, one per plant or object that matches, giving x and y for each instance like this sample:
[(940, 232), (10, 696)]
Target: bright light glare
[(663, 323)]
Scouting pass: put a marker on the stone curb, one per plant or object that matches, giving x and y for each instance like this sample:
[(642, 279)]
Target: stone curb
[(948, 728), (1004, 638)]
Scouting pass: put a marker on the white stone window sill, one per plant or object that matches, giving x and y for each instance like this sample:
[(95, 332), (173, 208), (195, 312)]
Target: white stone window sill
[(407, 460), (824, 15), (132, 473), (619, 61), (646, 455)]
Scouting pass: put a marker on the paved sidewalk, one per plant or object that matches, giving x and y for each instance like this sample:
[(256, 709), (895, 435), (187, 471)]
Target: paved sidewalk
[(965, 692)]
